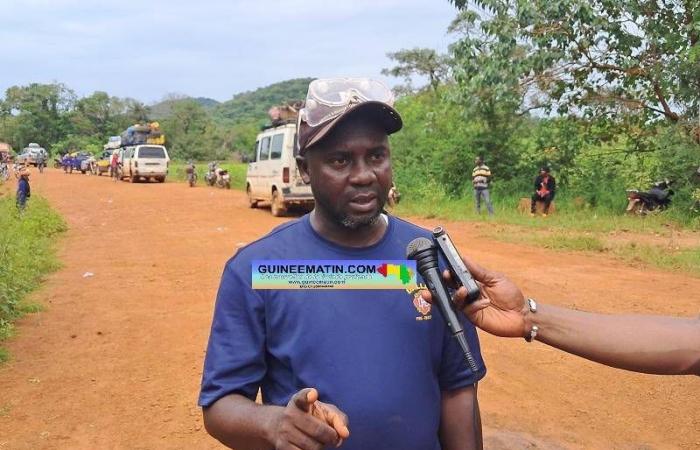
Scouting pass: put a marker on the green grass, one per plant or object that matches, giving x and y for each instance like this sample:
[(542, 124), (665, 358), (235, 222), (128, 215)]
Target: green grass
[(235, 169), (27, 255), (572, 228), (434, 204)]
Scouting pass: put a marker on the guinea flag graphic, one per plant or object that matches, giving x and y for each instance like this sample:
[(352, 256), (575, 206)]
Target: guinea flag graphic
[(399, 271)]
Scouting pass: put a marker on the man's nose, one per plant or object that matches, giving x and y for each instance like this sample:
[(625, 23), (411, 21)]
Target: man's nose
[(361, 173)]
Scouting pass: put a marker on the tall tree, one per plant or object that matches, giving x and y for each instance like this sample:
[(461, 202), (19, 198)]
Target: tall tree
[(421, 62), (601, 57)]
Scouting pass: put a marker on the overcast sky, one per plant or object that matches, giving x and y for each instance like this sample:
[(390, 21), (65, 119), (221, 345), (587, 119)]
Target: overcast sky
[(211, 48)]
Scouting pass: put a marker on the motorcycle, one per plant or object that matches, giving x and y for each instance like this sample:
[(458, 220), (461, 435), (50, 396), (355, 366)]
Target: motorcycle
[(223, 179), (658, 198), (216, 176)]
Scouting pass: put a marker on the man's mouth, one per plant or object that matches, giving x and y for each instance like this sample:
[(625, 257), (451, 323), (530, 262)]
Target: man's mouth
[(364, 202)]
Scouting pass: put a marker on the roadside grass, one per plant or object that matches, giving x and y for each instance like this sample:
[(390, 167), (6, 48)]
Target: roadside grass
[(27, 255), (571, 228), (235, 169)]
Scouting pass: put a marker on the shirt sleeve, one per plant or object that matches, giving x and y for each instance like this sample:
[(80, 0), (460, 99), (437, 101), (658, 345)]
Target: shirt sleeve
[(455, 372), (235, 359)]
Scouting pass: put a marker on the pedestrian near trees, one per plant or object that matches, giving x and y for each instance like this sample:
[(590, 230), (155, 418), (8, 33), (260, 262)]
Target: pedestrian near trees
[(481, 179), (23, 190)]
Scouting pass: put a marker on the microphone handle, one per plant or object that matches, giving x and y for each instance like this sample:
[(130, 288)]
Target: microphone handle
[(440, 296)]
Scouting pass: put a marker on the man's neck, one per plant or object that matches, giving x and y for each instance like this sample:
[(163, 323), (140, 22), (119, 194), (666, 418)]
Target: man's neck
[(337, 233)]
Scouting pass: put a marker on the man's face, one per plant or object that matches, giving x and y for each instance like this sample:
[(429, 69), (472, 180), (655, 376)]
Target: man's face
[(350, 173), (543, 172)]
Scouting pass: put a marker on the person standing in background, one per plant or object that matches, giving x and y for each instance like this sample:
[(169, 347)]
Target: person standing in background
[(481, 178), (23, 190), (545, 188)]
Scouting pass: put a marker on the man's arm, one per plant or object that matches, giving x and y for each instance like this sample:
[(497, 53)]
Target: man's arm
[(305, 423), (460, 421), (648, 344)]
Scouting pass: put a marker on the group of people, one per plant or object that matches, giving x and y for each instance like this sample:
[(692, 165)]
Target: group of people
[(379, 369), (545, 188)]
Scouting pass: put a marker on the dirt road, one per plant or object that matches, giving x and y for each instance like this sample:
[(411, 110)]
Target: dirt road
[(114, 361)]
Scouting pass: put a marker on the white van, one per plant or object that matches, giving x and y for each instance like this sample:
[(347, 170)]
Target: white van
[(273, 176), (144, 161)]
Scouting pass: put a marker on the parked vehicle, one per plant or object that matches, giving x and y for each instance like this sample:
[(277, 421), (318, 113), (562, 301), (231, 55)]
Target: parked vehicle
[(657, 198), (144, 161), (78, 161), (31, 152), (273, 176), (102, 165)]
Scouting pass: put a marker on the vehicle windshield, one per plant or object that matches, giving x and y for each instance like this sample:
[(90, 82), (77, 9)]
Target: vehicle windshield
[(151, 152)]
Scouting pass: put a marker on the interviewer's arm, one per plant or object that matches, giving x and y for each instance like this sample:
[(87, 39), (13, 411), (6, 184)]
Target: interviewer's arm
[(649, 344)]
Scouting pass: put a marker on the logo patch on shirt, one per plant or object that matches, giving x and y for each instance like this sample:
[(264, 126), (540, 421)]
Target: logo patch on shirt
[(421, 305)]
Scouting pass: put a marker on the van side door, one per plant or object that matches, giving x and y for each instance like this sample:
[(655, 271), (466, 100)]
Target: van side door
[(264, 169), (253, 172)]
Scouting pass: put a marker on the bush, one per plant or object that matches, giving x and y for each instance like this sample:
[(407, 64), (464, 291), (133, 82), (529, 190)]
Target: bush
[(27, 254)]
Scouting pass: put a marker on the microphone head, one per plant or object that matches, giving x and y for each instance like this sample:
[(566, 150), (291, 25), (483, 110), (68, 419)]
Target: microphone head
[(417, 245)]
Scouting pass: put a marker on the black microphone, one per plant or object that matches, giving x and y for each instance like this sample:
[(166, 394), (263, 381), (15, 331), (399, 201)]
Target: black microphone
[(424, 251)]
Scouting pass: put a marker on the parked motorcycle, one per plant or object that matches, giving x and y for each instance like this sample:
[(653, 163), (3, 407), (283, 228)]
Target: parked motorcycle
[(4, 171), (223, 179), (216, 176), (657, 198)]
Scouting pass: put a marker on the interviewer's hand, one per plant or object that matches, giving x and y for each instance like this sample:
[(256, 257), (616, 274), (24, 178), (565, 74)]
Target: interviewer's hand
[(308, 424), (500, 309)]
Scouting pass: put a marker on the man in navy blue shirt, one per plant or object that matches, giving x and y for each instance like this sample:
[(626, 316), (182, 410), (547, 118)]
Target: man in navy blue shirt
[(363, 369)]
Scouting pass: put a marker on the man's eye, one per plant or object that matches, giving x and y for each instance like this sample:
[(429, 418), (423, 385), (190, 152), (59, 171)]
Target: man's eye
[(339, 160), (378, 155)]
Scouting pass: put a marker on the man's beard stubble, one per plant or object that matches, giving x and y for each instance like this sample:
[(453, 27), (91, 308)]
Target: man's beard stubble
[(352, 223)]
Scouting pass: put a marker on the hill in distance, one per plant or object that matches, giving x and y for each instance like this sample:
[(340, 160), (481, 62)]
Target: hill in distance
[(162, 109), (253, 105)]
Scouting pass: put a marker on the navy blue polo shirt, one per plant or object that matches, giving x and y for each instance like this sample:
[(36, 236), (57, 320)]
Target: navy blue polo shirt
[(381, 356)]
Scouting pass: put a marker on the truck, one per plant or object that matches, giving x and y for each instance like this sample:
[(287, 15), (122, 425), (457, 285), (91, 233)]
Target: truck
[(273, 176)]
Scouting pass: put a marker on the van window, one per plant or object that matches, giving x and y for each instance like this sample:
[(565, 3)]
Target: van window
[(151, 152), (265, 149), (255, 151), (276, 152)]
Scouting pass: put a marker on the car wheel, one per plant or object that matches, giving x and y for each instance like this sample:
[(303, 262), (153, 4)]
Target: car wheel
[(277, 208), (133, 178), (252, 203), (161, 179)]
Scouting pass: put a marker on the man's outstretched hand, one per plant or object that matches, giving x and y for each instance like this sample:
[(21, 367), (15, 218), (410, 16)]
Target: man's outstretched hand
[(500, 309), (307, 423)]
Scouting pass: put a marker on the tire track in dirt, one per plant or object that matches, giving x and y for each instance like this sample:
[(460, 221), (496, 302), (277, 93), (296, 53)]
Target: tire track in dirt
[(115, 359)]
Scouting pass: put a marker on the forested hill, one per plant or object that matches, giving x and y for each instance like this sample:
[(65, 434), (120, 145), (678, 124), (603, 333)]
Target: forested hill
[(253, 105), (164, 108)]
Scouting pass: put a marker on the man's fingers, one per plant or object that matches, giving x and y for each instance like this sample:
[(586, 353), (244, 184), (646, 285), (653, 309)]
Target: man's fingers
[(477, 306), (340, 424), (305, 398), (478, 272)]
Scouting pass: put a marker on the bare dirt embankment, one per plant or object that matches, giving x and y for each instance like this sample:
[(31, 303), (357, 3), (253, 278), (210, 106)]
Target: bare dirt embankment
[(115, 359)]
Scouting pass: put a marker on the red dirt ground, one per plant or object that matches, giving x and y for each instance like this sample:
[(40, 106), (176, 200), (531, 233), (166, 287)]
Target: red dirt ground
[(115, 359)]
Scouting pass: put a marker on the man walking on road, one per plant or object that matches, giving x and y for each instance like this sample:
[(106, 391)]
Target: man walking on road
[(368, 369), (481, 178)]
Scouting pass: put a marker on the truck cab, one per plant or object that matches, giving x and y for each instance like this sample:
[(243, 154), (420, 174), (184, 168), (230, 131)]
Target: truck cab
[(273, 175)]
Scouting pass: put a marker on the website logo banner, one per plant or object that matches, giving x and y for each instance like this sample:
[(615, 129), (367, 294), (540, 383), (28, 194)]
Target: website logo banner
[(333, 274)]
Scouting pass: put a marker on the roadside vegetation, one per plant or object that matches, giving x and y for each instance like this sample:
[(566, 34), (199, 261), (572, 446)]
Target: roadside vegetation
[(27, 255)]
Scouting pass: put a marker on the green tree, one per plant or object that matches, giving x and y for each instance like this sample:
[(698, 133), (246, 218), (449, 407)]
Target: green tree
[(36, 113), (598, 56), (189, 131), (421, 62)]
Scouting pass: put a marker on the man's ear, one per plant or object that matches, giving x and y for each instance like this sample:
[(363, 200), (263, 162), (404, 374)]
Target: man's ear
[(303, 165)]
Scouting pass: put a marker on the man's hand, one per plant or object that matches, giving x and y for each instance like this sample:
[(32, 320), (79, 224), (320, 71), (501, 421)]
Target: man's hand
[(308, 424), (500, 309)]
